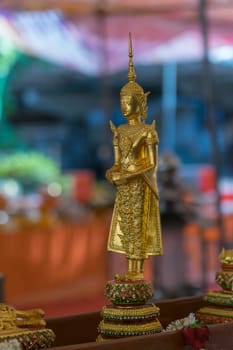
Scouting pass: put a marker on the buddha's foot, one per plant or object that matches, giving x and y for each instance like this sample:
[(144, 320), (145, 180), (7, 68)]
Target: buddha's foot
[(130, 276)]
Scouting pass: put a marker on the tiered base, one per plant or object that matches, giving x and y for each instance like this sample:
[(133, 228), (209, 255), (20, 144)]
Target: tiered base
[(130, 314), (219, 310), (129, 321)]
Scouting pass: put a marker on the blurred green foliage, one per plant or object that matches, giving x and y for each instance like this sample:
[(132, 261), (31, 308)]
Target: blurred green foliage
[(31, 168)]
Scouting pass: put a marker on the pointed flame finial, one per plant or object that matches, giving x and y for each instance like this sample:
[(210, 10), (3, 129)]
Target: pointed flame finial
[(131, 71)]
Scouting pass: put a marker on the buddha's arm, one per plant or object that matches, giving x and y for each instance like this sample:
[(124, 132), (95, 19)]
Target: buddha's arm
[(152, 146), (150, 176), (116, 152), (153, 154), (110, 174)]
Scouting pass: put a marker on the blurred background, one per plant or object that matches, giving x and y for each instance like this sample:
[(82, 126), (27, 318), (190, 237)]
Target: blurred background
[(62, 65)]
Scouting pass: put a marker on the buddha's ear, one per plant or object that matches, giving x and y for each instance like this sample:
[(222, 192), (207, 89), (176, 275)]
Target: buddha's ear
[(147, 93)]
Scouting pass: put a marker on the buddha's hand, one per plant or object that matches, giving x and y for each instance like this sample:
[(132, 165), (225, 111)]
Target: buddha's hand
[(119, 178), (108, 175), (120, 181), (112, 173), (116, 176)]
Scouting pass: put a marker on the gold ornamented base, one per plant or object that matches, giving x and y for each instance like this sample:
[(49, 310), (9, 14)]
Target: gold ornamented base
[(219, 310), (214, 314), (30, 339), (129, 321), (220, 298), (219, 307), (130, 314)]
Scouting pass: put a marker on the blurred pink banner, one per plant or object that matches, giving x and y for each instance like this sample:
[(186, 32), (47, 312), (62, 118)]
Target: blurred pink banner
[(95, 45)]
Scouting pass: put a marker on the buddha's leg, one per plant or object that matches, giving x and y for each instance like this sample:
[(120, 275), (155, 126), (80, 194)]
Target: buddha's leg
[(135, 269)]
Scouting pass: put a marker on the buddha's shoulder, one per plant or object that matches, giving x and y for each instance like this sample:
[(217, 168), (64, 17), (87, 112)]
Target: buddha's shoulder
[(150, 128), (140, 129), (135, 127)]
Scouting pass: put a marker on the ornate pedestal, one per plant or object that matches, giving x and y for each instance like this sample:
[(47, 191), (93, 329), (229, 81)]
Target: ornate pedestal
[(130, 313), (220, 303)]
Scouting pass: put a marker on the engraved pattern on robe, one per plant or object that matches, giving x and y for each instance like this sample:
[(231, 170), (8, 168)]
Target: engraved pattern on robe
[(135, 229)]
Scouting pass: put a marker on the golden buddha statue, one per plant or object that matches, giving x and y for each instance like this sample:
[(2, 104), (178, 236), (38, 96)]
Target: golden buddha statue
[(135, 229)]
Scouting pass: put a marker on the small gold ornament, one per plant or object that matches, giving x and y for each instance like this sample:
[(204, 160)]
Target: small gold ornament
[(219, 307), (226, 256), (27, 327)]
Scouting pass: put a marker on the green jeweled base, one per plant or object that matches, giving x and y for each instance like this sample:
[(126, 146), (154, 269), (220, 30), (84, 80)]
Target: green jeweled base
[(129, 314), (219, 308), (129, 321), (225, 280), (224, 298), (145, 313), (214, 314), (30, 339), (129, 292)]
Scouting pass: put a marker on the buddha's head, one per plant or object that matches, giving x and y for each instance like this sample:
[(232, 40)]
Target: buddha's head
[(133, 106), (133, 100)]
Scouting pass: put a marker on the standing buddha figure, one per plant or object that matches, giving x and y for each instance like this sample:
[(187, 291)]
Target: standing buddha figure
[(135, 228)]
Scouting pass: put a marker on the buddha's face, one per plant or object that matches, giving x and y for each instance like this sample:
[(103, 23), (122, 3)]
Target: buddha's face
[(129, 106)]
